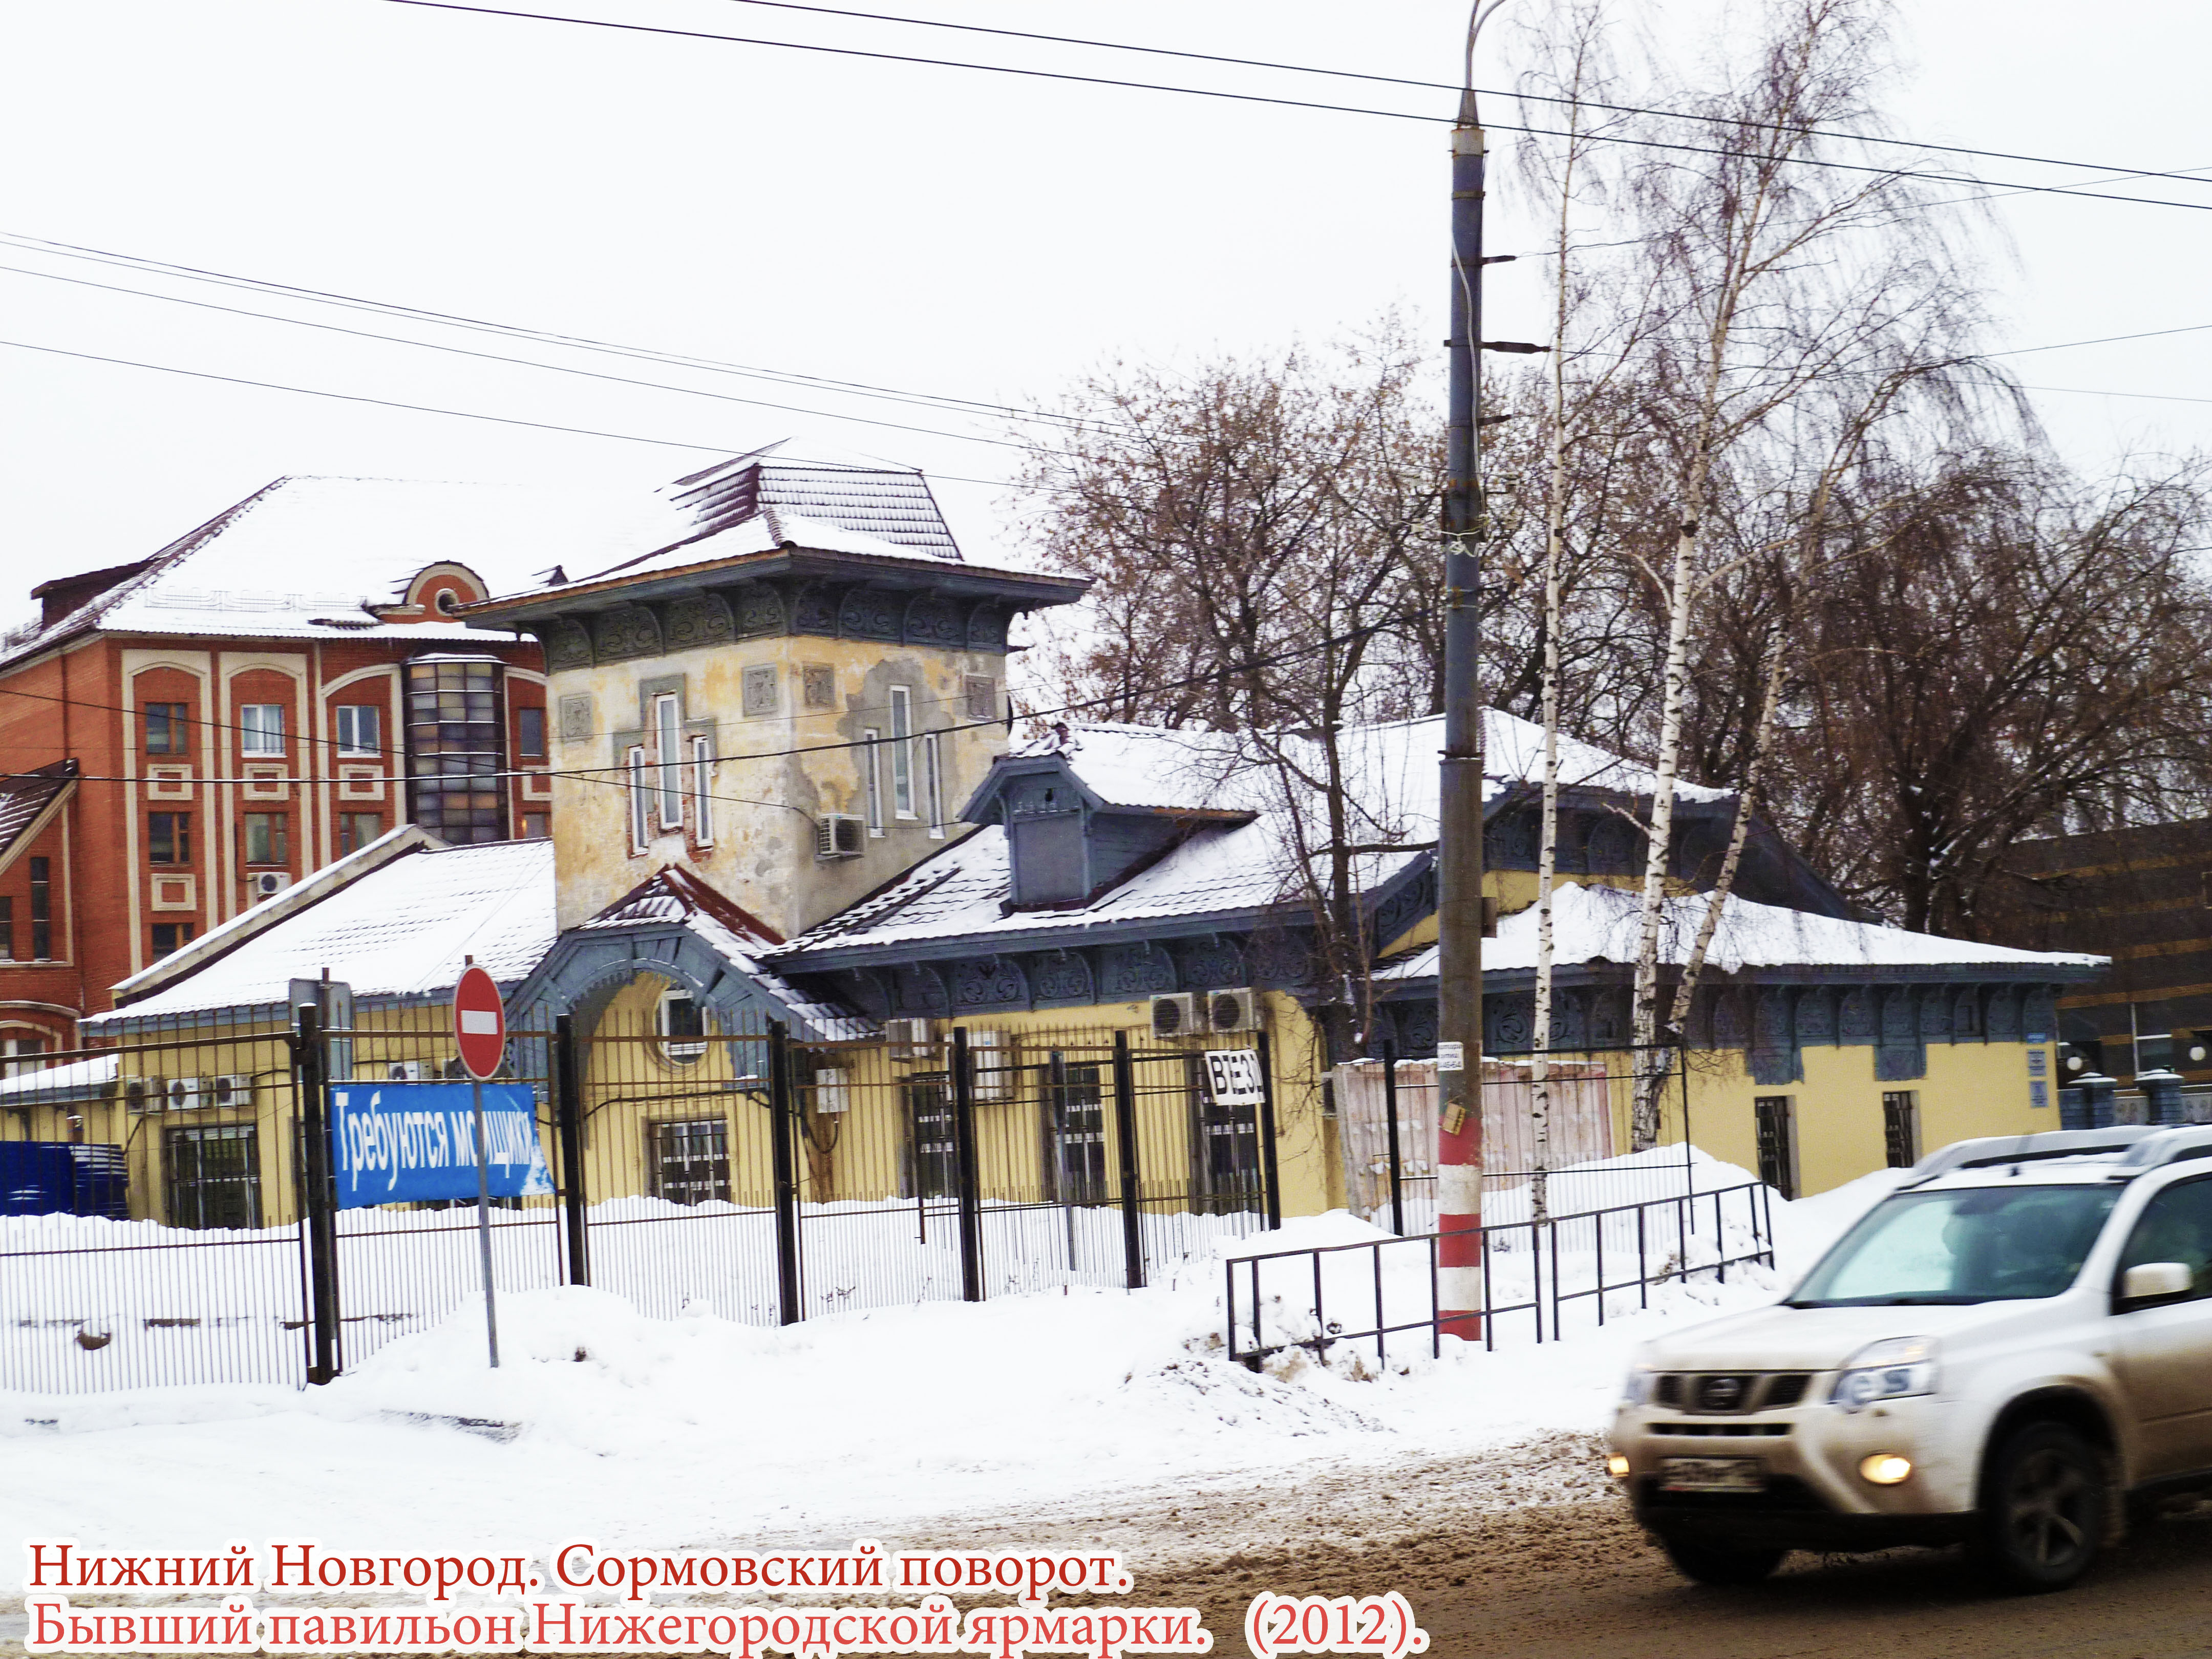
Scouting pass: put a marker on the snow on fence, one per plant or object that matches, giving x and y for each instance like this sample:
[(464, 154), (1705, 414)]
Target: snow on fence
[(89, 1304)]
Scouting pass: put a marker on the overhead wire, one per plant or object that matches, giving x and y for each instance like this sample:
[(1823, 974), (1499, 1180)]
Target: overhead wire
[(947, 401), (1453, 86), (524, 362), (458, 414), (457, 6)]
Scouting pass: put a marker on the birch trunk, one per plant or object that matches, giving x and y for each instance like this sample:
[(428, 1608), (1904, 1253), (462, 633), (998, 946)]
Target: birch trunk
[(1739, 830)]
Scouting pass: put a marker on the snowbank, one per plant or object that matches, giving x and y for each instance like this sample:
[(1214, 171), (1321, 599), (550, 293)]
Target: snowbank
[(699, 1431)]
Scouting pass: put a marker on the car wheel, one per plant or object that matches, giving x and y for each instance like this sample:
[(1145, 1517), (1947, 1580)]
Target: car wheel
[(1720, 1564), (2044, 1501)]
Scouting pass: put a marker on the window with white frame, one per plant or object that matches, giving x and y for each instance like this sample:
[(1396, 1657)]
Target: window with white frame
[(872, 777), (261, 728), (360, 728), (668, 741), (682, 1027), (902, 751), (702, 791), (932, 784), (640, 803)]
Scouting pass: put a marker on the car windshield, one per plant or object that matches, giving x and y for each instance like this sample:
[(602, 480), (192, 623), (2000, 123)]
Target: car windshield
[(1969, 1244)]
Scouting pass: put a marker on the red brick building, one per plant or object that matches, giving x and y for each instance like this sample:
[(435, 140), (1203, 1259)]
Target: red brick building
[(184, 736)]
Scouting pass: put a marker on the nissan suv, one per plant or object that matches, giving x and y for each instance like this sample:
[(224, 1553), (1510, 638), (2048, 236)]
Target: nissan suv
[(2013, 1351)]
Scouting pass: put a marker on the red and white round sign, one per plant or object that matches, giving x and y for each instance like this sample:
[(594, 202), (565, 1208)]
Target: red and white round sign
[(479, 1022)]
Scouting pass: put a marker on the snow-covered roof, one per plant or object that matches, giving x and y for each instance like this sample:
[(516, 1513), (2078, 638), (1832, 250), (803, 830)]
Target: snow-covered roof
[(790, 483), (674, 896), (1597, 924), (1393, 772), (77, 1079), (304, 557), (401, 930)]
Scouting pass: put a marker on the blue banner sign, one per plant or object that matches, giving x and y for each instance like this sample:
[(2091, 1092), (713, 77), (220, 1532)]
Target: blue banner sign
[(403, 1143)]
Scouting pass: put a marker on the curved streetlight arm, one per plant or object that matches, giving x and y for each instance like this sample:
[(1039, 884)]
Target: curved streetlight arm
[(1476, 18)]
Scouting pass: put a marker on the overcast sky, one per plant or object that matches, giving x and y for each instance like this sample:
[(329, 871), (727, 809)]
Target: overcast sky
[(932, 230)]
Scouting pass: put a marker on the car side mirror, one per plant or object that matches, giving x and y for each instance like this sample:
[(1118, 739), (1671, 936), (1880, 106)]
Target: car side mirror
[(2154, 1281)]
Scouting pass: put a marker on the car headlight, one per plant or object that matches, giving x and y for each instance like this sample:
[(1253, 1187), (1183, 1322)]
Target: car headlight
[(1892, 1369), (1637, 1389)]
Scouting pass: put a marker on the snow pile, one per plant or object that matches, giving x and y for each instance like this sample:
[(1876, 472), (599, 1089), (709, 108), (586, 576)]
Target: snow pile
[(700, 1430)]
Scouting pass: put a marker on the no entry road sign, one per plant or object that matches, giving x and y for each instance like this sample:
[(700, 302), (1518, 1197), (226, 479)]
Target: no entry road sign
[(479, 1022)]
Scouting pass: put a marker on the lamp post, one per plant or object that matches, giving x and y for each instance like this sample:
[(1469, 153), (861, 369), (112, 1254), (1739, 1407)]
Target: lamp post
[(1460, 828)]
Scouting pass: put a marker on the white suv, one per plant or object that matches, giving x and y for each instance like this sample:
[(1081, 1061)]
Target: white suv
[(2015, 1341)]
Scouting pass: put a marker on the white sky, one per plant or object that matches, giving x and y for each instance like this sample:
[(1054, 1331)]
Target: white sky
[(932, 229)]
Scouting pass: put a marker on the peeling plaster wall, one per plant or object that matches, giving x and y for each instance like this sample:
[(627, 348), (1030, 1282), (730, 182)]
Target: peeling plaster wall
[(768, 796)]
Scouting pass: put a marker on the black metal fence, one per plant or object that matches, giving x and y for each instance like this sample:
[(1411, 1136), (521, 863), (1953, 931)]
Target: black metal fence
[(764, 1179), (1584, 1266)]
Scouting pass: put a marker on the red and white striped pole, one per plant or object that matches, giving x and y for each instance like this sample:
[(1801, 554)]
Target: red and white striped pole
[(1460, 1290)]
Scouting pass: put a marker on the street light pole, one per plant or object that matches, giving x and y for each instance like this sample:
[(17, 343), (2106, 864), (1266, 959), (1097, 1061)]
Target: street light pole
[(1460, 830)]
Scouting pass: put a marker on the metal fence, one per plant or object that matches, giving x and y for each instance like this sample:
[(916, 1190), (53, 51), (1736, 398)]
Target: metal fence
[(1578, 1267), (764, 1179)]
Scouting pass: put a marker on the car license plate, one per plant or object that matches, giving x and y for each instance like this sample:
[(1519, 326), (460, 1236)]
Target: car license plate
[(1711, 1474)]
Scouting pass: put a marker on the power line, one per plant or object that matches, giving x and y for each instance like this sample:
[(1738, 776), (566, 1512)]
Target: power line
[(458, 414), (381, 402), (1289, 103), (1445, 86), (580, 342), (525, 362)]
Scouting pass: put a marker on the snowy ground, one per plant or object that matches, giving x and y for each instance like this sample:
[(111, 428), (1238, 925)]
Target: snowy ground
[(701, 1432)]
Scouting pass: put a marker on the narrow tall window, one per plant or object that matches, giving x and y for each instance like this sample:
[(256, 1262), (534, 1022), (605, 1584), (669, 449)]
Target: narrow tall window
[(357, 830), (640, 803), (872, 777), (668, 741), (1774, 1130), (7, 929), (530, 733), (168, 837), (42, 910), (360, 728), (1901, 1127), (901, 752), (268, 838), (166, 731), (702, 791), (932, 784), (261, 728)]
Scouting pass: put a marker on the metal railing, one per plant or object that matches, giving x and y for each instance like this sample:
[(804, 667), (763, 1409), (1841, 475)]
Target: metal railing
[(1563, 1262)]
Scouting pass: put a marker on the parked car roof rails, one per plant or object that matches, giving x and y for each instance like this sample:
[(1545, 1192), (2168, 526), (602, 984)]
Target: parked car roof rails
[(2028, 1149), (2171, 1144)]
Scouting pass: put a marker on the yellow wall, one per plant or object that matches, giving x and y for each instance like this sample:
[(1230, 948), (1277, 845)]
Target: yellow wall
[(1970, 1089)]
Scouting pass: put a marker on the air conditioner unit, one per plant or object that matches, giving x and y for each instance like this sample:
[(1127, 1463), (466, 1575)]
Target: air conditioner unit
[(403, 1071), (1232, 1011), (145, 1094), (186, 1093), (991, 1064), (1177, 1014), (233, 1090), (267, 884), (832, 1089), (840, 836), (909, 1039)]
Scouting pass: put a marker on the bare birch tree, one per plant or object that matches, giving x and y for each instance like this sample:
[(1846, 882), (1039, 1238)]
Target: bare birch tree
[(1784, 280)]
